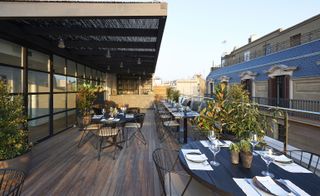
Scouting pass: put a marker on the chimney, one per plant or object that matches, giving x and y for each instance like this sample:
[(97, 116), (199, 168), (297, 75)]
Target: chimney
[(252, 38)]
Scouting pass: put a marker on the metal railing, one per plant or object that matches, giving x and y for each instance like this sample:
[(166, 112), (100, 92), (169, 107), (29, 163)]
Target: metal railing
[(296, 104), (269, 49)]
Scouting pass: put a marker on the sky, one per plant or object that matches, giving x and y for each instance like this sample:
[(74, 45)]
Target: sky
[(198, 32)]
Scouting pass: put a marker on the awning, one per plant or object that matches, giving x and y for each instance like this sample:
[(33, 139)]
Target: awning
[(114, 37)]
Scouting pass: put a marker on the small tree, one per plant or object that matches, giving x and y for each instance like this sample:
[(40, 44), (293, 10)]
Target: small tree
[(86, 95), (13, 135)]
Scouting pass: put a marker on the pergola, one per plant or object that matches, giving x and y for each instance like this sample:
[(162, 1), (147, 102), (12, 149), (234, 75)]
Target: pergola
[(113, 37)]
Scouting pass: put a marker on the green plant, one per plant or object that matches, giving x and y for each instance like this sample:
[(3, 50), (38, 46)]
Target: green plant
[(85, 98), (234, 147), (245, 146), (13, 134), (173, 94)]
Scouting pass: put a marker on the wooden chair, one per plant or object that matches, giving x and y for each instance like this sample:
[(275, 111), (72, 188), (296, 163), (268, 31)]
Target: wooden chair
[(308, 160), (173, 181), (11, 182)]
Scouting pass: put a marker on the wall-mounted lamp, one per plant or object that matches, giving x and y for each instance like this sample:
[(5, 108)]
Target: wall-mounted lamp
[(121, 64), (61, 43), (128, 71), (108, 68)]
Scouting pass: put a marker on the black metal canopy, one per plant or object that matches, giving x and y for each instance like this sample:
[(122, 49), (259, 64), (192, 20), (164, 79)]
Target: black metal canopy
[(132, 41)]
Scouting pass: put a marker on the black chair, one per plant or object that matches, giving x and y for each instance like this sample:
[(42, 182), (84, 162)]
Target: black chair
[(11, 182), (133, 110), (104, 134), (308, 160), (173, 181), (87, 127), (136, 125)]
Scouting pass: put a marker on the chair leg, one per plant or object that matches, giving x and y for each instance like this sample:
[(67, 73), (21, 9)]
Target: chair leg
[(100, 146), (82, 137), (143, 139), (114, 140)]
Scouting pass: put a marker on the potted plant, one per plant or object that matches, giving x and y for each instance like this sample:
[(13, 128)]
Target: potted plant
[(234, 151), (245, 153), (15, 150), (85, 98)]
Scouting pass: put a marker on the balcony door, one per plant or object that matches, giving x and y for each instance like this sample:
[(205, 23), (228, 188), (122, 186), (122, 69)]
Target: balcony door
[(278, 91), (247, 85)]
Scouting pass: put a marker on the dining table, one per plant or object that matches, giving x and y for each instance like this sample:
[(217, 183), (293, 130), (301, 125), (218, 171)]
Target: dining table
[(224, 177), (179, 114)]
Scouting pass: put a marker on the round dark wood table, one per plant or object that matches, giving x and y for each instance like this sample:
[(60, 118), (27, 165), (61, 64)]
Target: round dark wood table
[(221, 178)]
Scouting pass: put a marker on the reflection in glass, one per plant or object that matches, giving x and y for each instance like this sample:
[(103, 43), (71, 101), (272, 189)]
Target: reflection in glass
[(12, 77), (71, 118), (58, 64), (80, 71), (38, 105), (59, 122), (38, 60), (71, 84), (38, 129), (10, 53), (71, 68), (59, 102), (38, 82), (71, 100), (59, 83)]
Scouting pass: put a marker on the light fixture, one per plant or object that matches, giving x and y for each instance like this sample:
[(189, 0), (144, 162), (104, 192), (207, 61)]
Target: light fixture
[(139, 61), (128, 70), (108, 68), (144, 73), (108, 55), (61, 43), (121, 64)]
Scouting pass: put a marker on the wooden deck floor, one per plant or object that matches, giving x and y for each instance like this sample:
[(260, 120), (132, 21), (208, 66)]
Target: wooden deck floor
[(59, 167)]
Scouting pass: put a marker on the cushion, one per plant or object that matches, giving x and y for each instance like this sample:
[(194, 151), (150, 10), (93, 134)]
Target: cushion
[(179, 182), (132, 125), (171, 123)]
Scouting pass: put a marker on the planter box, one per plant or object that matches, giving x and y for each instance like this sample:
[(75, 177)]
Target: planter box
[(22, 162)]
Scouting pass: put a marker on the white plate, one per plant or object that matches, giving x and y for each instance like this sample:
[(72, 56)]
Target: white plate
[(282, 159), (197, 158)]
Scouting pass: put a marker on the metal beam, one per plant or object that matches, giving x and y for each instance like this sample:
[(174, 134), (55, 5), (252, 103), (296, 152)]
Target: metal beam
[(109, 44), (77, 31)]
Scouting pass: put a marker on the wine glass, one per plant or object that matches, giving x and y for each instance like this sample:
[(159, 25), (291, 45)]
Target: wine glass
[(215, 149), (254, 141), (268, 158), (211, 137)]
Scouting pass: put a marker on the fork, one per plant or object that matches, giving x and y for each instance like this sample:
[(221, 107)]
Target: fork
[(247, 180), (287, 185)]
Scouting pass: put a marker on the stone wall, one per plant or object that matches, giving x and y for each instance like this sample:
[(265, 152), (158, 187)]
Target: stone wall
[(261, 88), (141, 101), (306, 88)]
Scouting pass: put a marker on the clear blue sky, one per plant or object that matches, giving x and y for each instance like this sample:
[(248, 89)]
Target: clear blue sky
[(195, 30)]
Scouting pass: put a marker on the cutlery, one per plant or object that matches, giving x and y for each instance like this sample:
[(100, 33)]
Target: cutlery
[(283, 182), (247, 180)]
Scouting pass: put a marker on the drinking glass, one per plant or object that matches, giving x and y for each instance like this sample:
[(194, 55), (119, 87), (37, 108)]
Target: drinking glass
[(254, 141), (268, 158), (211, 137), (215, 149)]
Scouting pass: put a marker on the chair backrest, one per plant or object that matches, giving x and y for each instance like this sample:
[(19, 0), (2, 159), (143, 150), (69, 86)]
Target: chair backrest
[(195, 105), (202, 105), (11, 181), (139, 118), (165, 161), (133, 110), (306, 159)]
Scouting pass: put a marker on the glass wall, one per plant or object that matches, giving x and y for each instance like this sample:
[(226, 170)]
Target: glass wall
[(51, 106)]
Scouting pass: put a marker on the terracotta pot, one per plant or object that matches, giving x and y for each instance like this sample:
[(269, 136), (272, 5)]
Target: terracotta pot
[(22, 162), (234, 157), (246, 159)]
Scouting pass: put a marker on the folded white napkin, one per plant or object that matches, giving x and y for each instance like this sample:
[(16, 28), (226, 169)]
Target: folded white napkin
[(206, 143), (178, 114), (268, 183), (129, 115), (282, 159), (192, 113), (196, 157), (97, 116), (116, 119), (246, 188), (290, 167), (196, 166)]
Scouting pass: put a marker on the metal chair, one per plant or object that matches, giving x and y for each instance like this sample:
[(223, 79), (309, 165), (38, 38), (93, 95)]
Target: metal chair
[(11, 182), (136, 125), (88, 127), (104, 134), (308, 160), (173, 181)]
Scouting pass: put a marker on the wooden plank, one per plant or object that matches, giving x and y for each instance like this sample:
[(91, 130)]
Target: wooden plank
[(59, 167)]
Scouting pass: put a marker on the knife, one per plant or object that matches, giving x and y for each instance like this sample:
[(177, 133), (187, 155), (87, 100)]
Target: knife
[(247, 180), (286, 185)]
